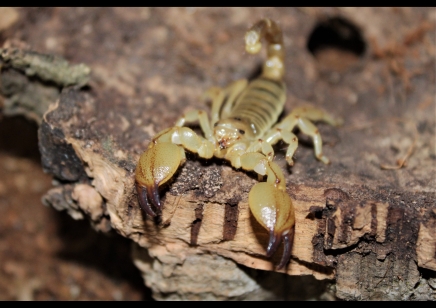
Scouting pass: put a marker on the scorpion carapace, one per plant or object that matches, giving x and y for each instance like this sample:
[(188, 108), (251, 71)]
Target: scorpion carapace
[(240, 130)]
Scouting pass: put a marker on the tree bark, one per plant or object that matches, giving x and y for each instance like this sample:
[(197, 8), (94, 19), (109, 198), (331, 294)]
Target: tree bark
[(370, 232)]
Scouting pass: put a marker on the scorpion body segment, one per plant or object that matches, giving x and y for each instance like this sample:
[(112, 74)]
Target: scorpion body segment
[(240, 130), (260, 105)]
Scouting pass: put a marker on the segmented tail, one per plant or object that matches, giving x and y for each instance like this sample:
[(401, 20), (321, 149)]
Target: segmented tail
[(273, 68)]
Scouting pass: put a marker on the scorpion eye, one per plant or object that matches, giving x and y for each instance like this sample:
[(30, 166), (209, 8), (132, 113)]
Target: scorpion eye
[(242, 131)]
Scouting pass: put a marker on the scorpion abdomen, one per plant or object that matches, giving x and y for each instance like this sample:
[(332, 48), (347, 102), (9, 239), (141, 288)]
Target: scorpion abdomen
[(261, 103)]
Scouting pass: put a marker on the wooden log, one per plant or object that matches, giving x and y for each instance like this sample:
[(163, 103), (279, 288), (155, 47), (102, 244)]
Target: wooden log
[(370, 231)]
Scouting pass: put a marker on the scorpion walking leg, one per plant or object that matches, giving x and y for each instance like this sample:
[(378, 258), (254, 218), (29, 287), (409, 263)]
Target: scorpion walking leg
[(288, 137), (270, 204), (161, 160), (265, 144), (219, 98), (302, 117), (262, 146), (194, 116), (223, 99)]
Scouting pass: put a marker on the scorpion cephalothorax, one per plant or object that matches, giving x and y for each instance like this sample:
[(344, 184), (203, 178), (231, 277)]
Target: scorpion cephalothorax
[(241, 130)]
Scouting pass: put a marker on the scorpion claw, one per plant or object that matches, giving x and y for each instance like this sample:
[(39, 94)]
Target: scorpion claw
[(143, 200), (273, 209), (273, 244), (156, 166), (288, 241), (153, 195)]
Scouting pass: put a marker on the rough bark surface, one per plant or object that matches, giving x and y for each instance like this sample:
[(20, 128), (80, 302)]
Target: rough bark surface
[(369, 231)]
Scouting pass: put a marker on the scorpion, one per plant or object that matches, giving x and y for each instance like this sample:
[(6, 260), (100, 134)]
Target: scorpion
[(241, 130)]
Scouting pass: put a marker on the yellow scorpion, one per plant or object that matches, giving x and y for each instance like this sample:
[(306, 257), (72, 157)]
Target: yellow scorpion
[(241, 131)]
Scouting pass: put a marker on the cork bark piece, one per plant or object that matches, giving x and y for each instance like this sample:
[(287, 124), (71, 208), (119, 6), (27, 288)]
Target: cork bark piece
[(369, 232)]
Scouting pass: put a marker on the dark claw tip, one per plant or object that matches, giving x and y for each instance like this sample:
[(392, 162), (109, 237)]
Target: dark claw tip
[(143, 200), (153, 196), (274, 242), (288, 241)]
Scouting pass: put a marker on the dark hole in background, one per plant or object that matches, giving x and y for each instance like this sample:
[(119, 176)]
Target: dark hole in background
[(336, 32), (109, 254)]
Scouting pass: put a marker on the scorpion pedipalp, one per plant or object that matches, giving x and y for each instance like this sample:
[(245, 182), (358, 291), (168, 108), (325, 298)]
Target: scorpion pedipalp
[(156, 166), (143, 200), (272, 207), (274, 242), (288, 242)]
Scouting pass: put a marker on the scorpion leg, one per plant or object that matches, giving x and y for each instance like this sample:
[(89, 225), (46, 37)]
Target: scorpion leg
[(302, 117), (223, 99), (217, 95), (262, 146), (270, 204), (265, 144), (194, 116), (161, 160)]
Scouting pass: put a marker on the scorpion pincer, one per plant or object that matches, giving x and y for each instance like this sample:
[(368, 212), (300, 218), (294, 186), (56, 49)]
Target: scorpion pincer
[(241, 130)]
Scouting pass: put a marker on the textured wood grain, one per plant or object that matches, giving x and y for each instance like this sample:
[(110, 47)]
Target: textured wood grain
[(369, 231)]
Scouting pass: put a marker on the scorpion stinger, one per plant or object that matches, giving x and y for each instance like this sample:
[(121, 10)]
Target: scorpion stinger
[(242, 130)]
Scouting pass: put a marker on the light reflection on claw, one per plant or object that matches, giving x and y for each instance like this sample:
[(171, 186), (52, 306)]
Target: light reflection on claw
[(156, 166), (273, 209)]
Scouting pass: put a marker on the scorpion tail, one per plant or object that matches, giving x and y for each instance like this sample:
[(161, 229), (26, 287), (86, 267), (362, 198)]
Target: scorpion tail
[(273, 67)]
